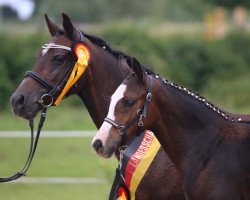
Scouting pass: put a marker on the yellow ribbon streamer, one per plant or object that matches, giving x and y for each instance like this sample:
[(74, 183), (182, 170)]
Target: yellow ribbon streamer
[(83, 56)]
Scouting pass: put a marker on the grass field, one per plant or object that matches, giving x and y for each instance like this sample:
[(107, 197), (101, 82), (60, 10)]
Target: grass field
[(55, 157), (55, 192)]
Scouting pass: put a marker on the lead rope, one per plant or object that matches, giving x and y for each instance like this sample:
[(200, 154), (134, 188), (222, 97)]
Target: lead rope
[(32, 150)]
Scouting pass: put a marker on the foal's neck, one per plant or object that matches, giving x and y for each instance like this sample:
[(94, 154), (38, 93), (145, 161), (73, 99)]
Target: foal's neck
[(186, 128), (104, 77)]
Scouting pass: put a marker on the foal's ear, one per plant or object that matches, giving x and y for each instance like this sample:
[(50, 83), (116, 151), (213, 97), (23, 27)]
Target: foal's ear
[(136, 66), (124, 68), (69, 27), (53, 28)]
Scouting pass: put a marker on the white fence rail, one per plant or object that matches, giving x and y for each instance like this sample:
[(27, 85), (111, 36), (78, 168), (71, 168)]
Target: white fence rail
[(48, 134)]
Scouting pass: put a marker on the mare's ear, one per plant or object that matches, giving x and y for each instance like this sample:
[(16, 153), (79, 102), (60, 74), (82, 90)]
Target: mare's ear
[(69, 27), (53, 28), (124, 68), (136, 66)]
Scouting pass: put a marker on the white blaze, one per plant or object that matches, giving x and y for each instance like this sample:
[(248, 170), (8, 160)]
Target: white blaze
[(103, 132), (119, 94)]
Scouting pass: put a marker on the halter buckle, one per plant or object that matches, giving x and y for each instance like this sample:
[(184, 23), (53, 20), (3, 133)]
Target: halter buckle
[(46, 100), (121, 129), (139, 112), (140, 122), (149, 96)]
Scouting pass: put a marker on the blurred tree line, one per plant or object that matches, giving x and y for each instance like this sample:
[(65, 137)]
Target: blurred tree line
[(104, 10), (231, 3)]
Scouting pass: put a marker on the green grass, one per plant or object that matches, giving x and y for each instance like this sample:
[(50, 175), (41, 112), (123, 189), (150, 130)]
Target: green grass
[(73, 156), (55, 157), (54, 192), (62, 117)]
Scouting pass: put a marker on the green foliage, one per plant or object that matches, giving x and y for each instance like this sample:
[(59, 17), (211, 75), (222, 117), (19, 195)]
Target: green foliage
[(186, 10), (17, 56), (187, 61), (106, 10), (134, 42), (231, 94), (194, 61), (55, 157)]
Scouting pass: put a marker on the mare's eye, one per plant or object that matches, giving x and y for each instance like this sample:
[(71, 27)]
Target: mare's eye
[(59, 58), (129, 102)]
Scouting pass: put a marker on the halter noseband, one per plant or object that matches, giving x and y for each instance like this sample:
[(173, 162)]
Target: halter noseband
[(141, 113)]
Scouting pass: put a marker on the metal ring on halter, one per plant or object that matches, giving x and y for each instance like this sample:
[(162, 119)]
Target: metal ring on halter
[(121, 130), (46, 100), (149, 96), (139, 112)]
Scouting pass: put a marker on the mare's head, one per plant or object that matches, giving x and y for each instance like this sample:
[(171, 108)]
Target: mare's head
[(130, 111), (53, 62)]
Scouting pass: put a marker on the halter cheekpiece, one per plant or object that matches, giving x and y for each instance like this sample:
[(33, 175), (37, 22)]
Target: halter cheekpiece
[(141, 113)]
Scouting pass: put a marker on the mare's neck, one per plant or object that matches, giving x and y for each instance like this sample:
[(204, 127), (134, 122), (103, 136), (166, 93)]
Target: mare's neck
[(185, 127), (103, 77)]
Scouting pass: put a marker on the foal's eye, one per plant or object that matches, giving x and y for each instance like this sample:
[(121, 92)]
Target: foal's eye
[(129, 102), (59, 58)]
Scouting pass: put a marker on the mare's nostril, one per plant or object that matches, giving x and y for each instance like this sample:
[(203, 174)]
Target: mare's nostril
[(97, 144), (20, 100)]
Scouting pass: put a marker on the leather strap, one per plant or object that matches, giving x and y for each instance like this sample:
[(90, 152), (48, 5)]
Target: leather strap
[(39, 79)]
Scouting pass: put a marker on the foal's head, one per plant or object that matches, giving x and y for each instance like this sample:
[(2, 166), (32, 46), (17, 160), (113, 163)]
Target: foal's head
[(52, 62), (127, 112)]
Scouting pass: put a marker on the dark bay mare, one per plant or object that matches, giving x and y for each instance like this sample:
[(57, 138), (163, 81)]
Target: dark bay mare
[(100, 79), (209, 148)]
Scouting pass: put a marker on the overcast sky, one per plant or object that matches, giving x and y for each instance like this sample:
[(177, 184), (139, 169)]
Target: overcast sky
[(24, 8)]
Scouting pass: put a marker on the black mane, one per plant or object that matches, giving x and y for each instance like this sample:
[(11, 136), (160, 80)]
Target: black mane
[(103, 44)]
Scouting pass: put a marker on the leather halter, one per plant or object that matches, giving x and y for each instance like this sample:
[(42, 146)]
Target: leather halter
[(141, 113)]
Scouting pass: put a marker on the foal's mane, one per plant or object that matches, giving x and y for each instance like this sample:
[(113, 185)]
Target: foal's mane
[(201, 99), (116, 53)]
